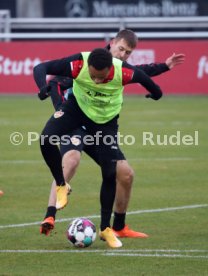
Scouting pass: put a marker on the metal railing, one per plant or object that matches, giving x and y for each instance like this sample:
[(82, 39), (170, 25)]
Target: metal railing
[(103, 36), (111, 23), (100, 28)]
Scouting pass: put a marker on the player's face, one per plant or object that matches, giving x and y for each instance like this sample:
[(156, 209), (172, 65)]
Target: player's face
[(120, 49), (98, 76)]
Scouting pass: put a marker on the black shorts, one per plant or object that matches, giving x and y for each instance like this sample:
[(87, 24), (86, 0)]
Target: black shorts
[(77, 143), (99, 141)]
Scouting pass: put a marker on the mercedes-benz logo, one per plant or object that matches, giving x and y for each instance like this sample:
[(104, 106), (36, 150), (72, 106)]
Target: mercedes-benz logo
[(77, 8)]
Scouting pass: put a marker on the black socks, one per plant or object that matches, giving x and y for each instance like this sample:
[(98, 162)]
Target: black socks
[(119, 221), (51, 212)]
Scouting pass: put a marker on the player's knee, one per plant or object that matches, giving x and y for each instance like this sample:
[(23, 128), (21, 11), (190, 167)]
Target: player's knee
[(129, 176), (71, 159), (125, 174)]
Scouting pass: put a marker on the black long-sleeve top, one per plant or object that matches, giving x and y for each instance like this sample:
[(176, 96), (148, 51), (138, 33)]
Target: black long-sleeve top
[(71, 66)]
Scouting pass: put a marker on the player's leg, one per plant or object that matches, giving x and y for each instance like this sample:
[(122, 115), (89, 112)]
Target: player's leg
[(59, 125), (120, 175), (124, 182), (70, 162), (124, 179), (63, 122), (123, 176), (71, 153), (49, 221), (106, 153), (107, 196)]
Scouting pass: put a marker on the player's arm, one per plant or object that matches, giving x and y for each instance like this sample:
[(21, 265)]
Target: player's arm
[(63, 82), (60, 67), (134, 75), (58, 85), (155, 69)]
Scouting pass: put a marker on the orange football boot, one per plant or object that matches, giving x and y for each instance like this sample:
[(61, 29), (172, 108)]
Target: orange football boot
[(47, 226), (126, 232)]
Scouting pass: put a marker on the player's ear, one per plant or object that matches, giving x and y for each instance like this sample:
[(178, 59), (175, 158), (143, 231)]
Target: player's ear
[(112, 41)]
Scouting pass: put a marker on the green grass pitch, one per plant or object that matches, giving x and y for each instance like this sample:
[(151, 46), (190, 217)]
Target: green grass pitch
[(166, 176)]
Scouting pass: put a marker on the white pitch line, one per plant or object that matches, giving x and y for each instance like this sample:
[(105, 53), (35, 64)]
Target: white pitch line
[(120, 253), (168, 209), (117, 251), (155, 255)]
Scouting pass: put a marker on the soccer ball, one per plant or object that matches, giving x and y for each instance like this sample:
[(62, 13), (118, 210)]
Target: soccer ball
[(81, 232)]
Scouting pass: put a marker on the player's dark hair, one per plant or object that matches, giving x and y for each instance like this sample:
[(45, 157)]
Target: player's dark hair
[(100, 59), (129, 36)]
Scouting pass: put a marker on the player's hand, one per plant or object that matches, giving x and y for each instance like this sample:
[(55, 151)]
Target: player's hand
[(174, 60), (44, 92), (151, 96)]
